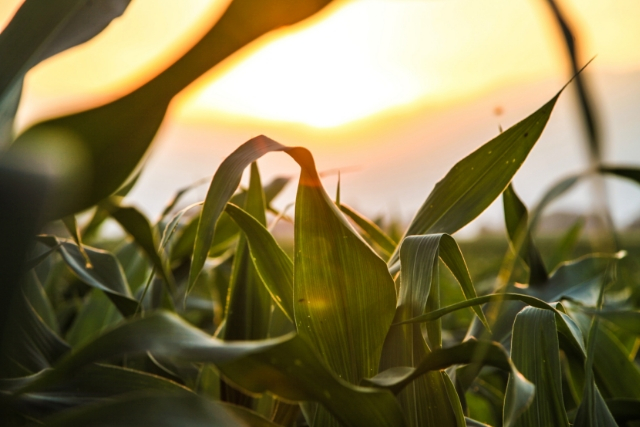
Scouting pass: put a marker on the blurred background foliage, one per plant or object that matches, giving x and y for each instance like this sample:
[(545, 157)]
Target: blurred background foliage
[(231, 311)]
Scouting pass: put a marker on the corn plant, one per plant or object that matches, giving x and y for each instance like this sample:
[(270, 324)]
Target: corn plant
[(204, 317)]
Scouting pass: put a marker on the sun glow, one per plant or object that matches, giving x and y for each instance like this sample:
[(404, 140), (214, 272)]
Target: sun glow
[(355, 60)]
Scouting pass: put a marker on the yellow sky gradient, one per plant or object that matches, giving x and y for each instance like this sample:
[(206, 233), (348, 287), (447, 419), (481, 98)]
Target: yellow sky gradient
[(355, 60)]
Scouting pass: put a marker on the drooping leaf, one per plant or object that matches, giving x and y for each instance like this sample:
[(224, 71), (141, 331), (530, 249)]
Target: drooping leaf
[(338, 280), (38, 31), (478, 179), (271, 262), (517, 221), (436, 314), (105, 272), (116, 136), (286, 366), (536, 353), (469, 352), (405, 345), (93, 383)]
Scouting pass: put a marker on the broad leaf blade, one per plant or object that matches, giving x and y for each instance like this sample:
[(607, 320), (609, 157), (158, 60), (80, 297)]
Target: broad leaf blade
[(286, 366), (271, 262), (344, 295), (536, 353), (478, 179)]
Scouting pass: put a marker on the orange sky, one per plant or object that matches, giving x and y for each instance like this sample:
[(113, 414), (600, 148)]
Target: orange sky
[(393, 92), (355, 60)]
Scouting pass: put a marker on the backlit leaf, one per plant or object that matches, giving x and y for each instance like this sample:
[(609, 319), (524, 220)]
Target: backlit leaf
[(478, 179)]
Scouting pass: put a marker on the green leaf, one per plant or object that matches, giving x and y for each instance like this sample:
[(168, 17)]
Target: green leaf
[(344, 297), (224, 183), (517, 221), (93, 383), (478, 179), (491, 298), (405, 345), (248, 310), (249, 304), (338, 280), (28, 345), (370, 229), (149, 408), (536, 353), (116, 136), (485, 353), (139, 227), (286, 366), (38, 31), (37, 297), (271, 262), (105, 272), (71, 225), (592, 410)]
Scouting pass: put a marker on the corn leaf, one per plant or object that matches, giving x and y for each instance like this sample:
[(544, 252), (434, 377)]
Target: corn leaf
[(149, 408), (478, 179), (38, 31), (344, 295), (405, 345), (272, 264), (138, 226), (517, 221), (116, 136), (286, 366), (338, 280), (249, 304), (521, 391), (536, 353), (29, 345), (491, 298), (105, 272), (248, 309), (370, 228)]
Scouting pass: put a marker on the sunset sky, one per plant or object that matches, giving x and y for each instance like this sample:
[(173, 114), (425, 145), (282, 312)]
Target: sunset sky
[(361, 74)]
